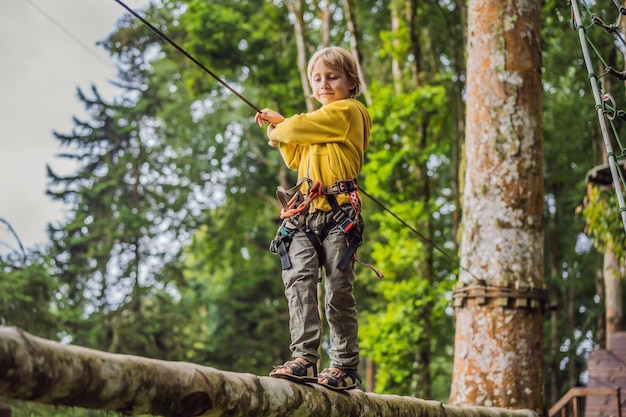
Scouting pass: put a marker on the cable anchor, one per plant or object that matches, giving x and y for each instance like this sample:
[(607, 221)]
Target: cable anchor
[(610, 111)]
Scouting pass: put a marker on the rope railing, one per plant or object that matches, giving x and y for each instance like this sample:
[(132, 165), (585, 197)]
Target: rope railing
[(605, 103)]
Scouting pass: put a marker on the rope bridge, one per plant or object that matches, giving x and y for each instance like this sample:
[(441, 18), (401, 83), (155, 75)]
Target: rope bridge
[(609, 113)]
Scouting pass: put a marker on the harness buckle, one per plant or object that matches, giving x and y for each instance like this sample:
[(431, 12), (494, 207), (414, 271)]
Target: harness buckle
[(346, 186), (345, 223), (280, 244)]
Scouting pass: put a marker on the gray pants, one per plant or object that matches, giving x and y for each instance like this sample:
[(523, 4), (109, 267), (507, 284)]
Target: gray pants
[(340, 306)]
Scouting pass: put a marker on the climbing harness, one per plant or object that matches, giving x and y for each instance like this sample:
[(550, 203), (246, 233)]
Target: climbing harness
[(294, 213)]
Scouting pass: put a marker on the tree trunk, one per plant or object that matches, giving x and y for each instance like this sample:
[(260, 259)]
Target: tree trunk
[(458, 144), (354, 48), (396, 70), (295, 7), (498, 358), (415, 47), (570, 312), (40, 370), (422, 378), (326, 20), (612, 290), (601, 326)]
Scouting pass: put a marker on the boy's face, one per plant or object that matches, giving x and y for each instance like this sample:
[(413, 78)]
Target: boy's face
[(329, 84)]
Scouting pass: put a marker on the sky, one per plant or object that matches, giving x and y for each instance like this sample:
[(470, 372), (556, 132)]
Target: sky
[(47, 50)]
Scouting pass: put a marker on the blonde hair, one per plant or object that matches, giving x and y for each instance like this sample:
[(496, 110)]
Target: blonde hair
[(340, 60)]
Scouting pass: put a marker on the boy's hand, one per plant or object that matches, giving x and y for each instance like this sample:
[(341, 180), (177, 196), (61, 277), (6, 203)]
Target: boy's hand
[(268, 116), (271, 118), (270, 142)]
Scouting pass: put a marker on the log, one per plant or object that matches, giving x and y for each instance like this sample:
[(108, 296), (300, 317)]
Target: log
[(40, 370)]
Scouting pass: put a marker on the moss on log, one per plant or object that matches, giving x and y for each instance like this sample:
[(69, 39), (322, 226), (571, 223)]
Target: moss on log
[(44, 371)]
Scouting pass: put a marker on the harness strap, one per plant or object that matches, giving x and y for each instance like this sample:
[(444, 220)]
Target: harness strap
[(291, 207), (282, 240), (317, 244), (349, 187), (346, 224), (286, 195), (285, 263), (370, 266), (342, 187)]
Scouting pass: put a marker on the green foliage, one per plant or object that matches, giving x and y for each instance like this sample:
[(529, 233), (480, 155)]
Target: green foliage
[(405, 135), (233, 286), (603, 221), (230, 38), (406, 159), (391, 338), (27, 297), (30, 409)]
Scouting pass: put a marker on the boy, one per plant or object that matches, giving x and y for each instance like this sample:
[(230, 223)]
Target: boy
[(326, 146)]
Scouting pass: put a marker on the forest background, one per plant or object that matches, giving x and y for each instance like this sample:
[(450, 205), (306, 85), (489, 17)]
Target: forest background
[(165, 253)]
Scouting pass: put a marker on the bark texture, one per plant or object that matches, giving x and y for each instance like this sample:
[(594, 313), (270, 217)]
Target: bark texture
[(39, 370), (498, 344), (498, 355)]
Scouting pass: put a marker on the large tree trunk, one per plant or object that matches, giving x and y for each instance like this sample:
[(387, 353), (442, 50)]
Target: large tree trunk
[(498, 358), (39, 370)]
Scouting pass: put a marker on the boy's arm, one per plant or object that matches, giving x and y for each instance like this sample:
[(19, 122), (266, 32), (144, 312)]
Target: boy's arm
[(328, 124), (291, 153)]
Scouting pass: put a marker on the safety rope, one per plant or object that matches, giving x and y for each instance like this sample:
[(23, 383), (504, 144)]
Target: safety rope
[(188, 55), (605, 104), (454, 260)]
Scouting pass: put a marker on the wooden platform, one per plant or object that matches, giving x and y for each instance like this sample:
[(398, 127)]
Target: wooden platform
[(601, 175), (607, 369)]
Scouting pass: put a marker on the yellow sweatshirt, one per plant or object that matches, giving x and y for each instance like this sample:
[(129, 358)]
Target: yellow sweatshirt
[(326, 145)]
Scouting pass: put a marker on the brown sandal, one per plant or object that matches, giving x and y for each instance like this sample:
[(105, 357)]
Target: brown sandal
[(339, 379), (300, 372)]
